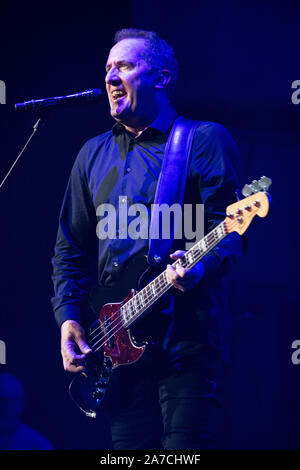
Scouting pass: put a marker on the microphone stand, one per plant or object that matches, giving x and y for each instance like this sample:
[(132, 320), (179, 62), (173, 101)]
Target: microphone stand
[(36, 126), (46, 105)]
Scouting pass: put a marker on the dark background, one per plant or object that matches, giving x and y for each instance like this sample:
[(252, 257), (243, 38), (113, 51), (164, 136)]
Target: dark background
[(237, 64)]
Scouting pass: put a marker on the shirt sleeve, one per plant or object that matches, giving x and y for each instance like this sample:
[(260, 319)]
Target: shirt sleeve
[(212, 170), (75, 251)]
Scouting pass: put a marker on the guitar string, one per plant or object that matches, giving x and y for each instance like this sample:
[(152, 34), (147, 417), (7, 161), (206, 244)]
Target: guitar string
[(120, 324), (212, 238), (164, 285), (224, 225), (108, 335)]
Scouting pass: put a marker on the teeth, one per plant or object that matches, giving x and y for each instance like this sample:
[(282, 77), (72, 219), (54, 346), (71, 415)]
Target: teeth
[(117, 93)]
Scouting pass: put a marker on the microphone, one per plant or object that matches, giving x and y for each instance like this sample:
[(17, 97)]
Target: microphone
[(87, 95)]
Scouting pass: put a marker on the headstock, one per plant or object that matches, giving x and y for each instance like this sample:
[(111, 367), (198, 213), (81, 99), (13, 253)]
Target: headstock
[(240, 214)]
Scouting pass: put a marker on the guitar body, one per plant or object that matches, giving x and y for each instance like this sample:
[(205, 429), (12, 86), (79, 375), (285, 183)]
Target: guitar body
[(112, 343), (106, 303), (121, 347)]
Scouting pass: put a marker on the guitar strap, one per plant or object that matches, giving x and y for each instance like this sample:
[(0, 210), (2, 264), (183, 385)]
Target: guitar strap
[(170, 187)]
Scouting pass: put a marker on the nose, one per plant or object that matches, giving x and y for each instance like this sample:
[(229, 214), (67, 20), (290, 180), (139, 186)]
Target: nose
[(112, 77)]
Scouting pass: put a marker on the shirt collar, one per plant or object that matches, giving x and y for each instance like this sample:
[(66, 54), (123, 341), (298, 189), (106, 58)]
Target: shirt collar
[(165, 119), (162, 123)]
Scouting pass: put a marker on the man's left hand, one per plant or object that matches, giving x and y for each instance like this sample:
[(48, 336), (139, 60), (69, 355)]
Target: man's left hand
[(182, 278)]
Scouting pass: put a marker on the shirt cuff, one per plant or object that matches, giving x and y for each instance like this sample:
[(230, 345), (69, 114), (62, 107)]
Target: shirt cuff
[(67, 312)]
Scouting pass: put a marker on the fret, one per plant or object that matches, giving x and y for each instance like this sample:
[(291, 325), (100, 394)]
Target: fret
[(184, 261), (206, 244), (190, 257), (126, 313), (202, 247), (139, 299), (153, 288), (196, 252), (149, 294), (163, 282), (156, 283)]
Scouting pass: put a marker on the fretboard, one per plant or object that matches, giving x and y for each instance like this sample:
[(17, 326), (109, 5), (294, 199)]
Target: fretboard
[(141, 301)]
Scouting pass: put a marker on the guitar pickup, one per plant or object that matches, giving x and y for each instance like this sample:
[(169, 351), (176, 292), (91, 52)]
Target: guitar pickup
[(107, 329)]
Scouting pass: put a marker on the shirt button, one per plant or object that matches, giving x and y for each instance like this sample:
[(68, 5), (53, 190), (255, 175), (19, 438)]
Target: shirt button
[(128, 170), (115, 264), (123, 200)]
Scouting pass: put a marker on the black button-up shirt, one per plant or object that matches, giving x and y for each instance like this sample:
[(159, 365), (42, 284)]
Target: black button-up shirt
[(120, 169)]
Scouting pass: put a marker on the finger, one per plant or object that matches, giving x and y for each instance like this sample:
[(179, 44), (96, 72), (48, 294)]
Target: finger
[(179, 286), (84, 348), (177, 254), (72, 362), (73, 333), (79, 337), (70, 367), (175, 274), (171, 273), (174, 278), (181, 271), (69, 354), (177, 271)]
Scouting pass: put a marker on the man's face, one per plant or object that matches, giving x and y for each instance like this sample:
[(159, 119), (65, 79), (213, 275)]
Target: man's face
[(130, 83)]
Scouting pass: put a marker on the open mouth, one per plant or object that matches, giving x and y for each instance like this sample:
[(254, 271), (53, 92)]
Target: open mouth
[(118, 94)]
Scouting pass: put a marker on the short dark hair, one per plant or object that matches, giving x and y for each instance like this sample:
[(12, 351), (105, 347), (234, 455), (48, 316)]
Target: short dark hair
[(158, 55)]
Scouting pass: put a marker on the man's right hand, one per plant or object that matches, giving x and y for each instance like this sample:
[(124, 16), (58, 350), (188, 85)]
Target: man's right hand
[(72, 338)]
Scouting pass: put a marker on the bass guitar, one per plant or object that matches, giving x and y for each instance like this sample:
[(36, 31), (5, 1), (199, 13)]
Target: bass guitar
[(110, 336)]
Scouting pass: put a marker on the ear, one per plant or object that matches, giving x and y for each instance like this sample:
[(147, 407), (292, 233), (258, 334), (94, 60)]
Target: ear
[(163, 78)]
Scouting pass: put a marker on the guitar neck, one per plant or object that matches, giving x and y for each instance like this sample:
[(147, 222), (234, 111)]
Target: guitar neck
[(145, 298)]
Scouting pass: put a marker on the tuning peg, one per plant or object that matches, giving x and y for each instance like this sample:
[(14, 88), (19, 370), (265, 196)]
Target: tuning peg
[(246, 191), (255, 186), (264, 183)]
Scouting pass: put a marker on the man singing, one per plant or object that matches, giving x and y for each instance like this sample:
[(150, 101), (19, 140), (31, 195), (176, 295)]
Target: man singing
[(171, 398)]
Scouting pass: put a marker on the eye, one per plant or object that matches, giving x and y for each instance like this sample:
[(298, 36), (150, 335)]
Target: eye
[(123, 67)]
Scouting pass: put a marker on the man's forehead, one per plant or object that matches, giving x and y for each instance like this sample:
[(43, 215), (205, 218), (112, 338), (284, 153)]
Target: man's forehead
[(127, 49)]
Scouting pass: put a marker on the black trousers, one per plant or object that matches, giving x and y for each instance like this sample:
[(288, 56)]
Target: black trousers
[(167, 403)]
